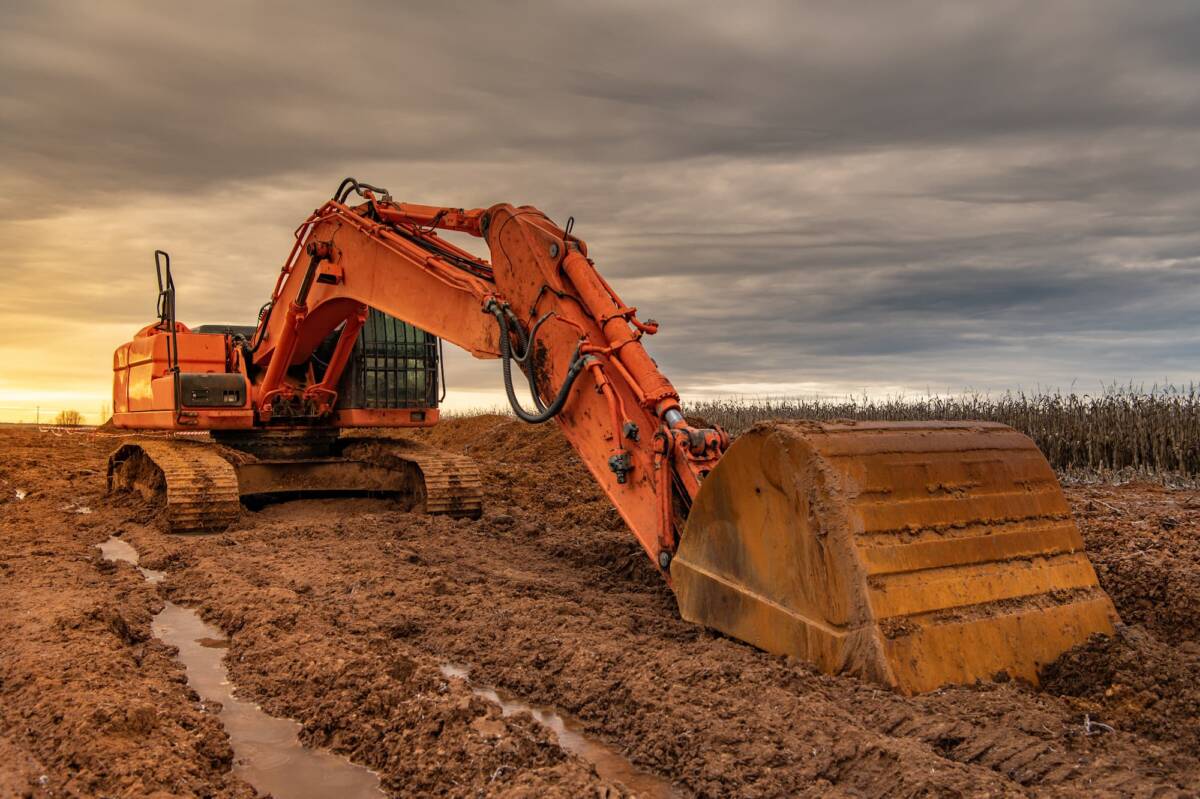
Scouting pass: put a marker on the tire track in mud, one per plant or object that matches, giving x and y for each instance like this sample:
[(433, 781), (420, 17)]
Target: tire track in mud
[(315, 653), (712, 714)]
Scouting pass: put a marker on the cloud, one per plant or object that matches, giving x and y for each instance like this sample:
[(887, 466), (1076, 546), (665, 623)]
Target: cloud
[(891, 195)]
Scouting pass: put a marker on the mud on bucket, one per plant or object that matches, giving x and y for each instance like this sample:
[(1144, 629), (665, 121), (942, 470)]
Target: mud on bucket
[(913, 554)]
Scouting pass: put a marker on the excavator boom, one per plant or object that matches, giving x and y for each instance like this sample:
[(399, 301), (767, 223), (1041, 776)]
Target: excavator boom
[(914, 555), (538, 305)]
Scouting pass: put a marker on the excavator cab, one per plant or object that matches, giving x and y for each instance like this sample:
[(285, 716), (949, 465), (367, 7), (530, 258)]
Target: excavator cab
[(394, 365)]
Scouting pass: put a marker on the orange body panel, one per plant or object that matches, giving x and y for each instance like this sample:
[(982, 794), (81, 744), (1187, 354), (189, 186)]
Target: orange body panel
[(142, 379), (198, 419)]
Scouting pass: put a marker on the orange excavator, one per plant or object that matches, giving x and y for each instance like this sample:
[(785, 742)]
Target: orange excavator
[(912, 554)]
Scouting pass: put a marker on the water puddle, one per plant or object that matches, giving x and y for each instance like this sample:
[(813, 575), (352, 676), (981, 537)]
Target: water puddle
[(609, 762), (116, 549), (268, 752)]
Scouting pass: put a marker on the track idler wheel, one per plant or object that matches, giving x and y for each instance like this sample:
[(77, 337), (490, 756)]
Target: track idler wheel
[(913, 554)]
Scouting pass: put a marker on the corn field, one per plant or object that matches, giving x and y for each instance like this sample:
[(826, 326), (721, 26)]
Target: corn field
[(1154, 432)]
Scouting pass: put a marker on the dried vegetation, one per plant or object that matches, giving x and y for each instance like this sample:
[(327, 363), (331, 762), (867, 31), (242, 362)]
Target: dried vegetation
[(1122, 430)]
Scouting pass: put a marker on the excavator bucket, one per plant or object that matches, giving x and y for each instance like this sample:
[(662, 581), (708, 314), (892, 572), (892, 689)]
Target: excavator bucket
[(913, 554)]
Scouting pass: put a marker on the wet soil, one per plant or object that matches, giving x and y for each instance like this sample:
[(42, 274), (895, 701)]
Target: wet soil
[(341, 613), (90, 703), (268, 754), (610, 764)]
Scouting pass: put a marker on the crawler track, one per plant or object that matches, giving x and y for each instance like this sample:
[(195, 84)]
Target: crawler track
[(201, 486), (452, 483)]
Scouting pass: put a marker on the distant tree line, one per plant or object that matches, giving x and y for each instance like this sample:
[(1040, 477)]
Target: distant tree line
[(68, 418)]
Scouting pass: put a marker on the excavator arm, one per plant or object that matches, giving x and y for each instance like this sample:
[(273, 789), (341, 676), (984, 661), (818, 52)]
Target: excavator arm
[(538, 304)]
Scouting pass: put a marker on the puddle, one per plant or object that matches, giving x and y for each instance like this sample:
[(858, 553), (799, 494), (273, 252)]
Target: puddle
[(116, 549), (609, 762), (268, 753)]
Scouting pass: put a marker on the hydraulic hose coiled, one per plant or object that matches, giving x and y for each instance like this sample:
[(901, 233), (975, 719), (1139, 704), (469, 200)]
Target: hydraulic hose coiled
[(545, 412), (525, 344)]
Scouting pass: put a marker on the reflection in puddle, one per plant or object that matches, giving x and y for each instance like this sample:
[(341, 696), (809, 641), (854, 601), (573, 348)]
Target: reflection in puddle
[(116, 549), (268, 753), (610, 764)]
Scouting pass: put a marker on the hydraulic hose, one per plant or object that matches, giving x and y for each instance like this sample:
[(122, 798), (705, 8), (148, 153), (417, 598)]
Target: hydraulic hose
[(526, 342), (547, 412), (526, 346), (264, 319), (350, 184)]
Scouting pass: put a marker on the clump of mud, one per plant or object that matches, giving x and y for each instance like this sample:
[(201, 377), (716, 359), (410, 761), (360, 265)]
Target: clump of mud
[(1134, 682), (1144, 540)]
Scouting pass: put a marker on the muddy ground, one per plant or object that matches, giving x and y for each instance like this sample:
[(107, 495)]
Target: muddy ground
[(340, 613)]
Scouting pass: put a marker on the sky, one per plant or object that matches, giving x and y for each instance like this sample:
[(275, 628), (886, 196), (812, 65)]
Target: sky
[(813, 198)]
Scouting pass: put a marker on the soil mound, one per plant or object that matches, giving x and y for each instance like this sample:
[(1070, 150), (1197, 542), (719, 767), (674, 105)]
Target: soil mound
[(1134, 682), (1144, 541)]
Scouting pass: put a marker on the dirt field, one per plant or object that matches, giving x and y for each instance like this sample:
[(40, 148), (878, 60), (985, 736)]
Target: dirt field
[(341, 613)]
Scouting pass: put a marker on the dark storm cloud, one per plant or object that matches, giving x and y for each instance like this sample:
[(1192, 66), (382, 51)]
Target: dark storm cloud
[(219, 90), (984, 194)]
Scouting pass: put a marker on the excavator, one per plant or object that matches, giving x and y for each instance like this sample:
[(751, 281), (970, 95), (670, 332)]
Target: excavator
[(915, 555)]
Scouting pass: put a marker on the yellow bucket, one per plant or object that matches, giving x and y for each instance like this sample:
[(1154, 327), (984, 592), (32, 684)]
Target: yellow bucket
[(914, 554)]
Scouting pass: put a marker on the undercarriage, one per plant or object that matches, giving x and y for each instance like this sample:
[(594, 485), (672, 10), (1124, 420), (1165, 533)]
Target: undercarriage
[(204, 482)]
